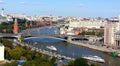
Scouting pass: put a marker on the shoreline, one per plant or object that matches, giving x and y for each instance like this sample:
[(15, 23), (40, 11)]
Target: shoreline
[(98, 48)]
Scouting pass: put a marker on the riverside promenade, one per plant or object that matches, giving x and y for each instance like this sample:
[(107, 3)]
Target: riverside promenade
[(99, 48), (49, 53)]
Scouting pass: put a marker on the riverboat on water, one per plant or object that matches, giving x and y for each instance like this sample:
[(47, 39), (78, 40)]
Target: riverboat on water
[(94, 58)]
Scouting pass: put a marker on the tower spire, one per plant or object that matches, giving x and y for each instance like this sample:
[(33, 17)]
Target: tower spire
[(26, 24), (2, 13), (31, 24)]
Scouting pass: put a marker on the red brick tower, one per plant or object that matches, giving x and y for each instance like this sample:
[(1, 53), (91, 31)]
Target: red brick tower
[(50, 23), (26, 25), (31, 24), (15, 31)]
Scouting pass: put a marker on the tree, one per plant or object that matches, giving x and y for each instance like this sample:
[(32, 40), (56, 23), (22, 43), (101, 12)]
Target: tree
[(52, 61), (16, 53), (44, 64), (71, 63), (94, 64), (83, 33), (81, 62), (30, 63), (7, 43), (7, 53), (14, 63)]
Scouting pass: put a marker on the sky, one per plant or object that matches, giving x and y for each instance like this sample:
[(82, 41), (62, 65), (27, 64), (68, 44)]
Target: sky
[(76, 8)]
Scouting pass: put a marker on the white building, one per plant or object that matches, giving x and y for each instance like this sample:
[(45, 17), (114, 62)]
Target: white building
[(1, 52), (88, 24), (2, 13)]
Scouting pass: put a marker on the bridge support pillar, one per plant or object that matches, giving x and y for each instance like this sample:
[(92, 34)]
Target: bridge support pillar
[(69, 38)]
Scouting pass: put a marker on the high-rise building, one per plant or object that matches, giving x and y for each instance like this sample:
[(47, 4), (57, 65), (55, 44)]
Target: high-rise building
[(15, 30), (117, 36), (110, 30)]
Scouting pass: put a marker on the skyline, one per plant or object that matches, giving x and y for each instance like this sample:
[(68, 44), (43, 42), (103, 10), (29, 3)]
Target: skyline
[(82, 8)]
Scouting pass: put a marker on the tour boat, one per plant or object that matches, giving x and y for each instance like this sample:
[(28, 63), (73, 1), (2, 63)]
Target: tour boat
[(94, 58), (52, 48)]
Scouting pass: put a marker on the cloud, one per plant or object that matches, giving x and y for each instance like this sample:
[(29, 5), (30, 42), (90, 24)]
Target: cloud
[(81, 5), (1, 2), (37, 3), (22, 3)]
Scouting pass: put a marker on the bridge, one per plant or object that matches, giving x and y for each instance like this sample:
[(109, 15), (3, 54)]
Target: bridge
[(16, 36), (7, 35), (27, 33)]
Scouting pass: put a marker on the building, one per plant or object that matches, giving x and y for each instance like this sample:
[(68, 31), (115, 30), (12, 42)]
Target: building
[(1, 52), (110, 30), (76, 27), (88, 24), (15, 30), (2, 13), (3, 19), (117, 36), (117, 39)]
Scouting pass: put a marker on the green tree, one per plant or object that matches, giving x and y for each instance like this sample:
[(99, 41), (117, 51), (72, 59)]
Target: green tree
[(14, 63), (7, 53), (44, 64), (7, 43), (83, 33), (71, 63), (94, 64), (81, 62), (16, 53), (52, 61), (30, 63)]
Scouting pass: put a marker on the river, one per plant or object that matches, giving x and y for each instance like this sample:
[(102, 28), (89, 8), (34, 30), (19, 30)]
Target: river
[(68, 49)]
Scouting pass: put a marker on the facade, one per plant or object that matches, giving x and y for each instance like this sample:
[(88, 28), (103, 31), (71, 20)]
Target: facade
[(117, 36), (110, 30), (117, 39), (76, 27), (1, 52), (86, 24)]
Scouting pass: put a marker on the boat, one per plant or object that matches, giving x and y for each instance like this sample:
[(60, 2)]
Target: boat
[(52, 48), (94, 58)]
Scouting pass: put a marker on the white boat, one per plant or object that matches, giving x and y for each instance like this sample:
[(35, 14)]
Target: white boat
[(94, 58), (52, 48)]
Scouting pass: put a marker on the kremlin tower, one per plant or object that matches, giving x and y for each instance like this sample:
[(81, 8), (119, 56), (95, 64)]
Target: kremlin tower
[(15, 30), (26, 25), (31, 24)]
